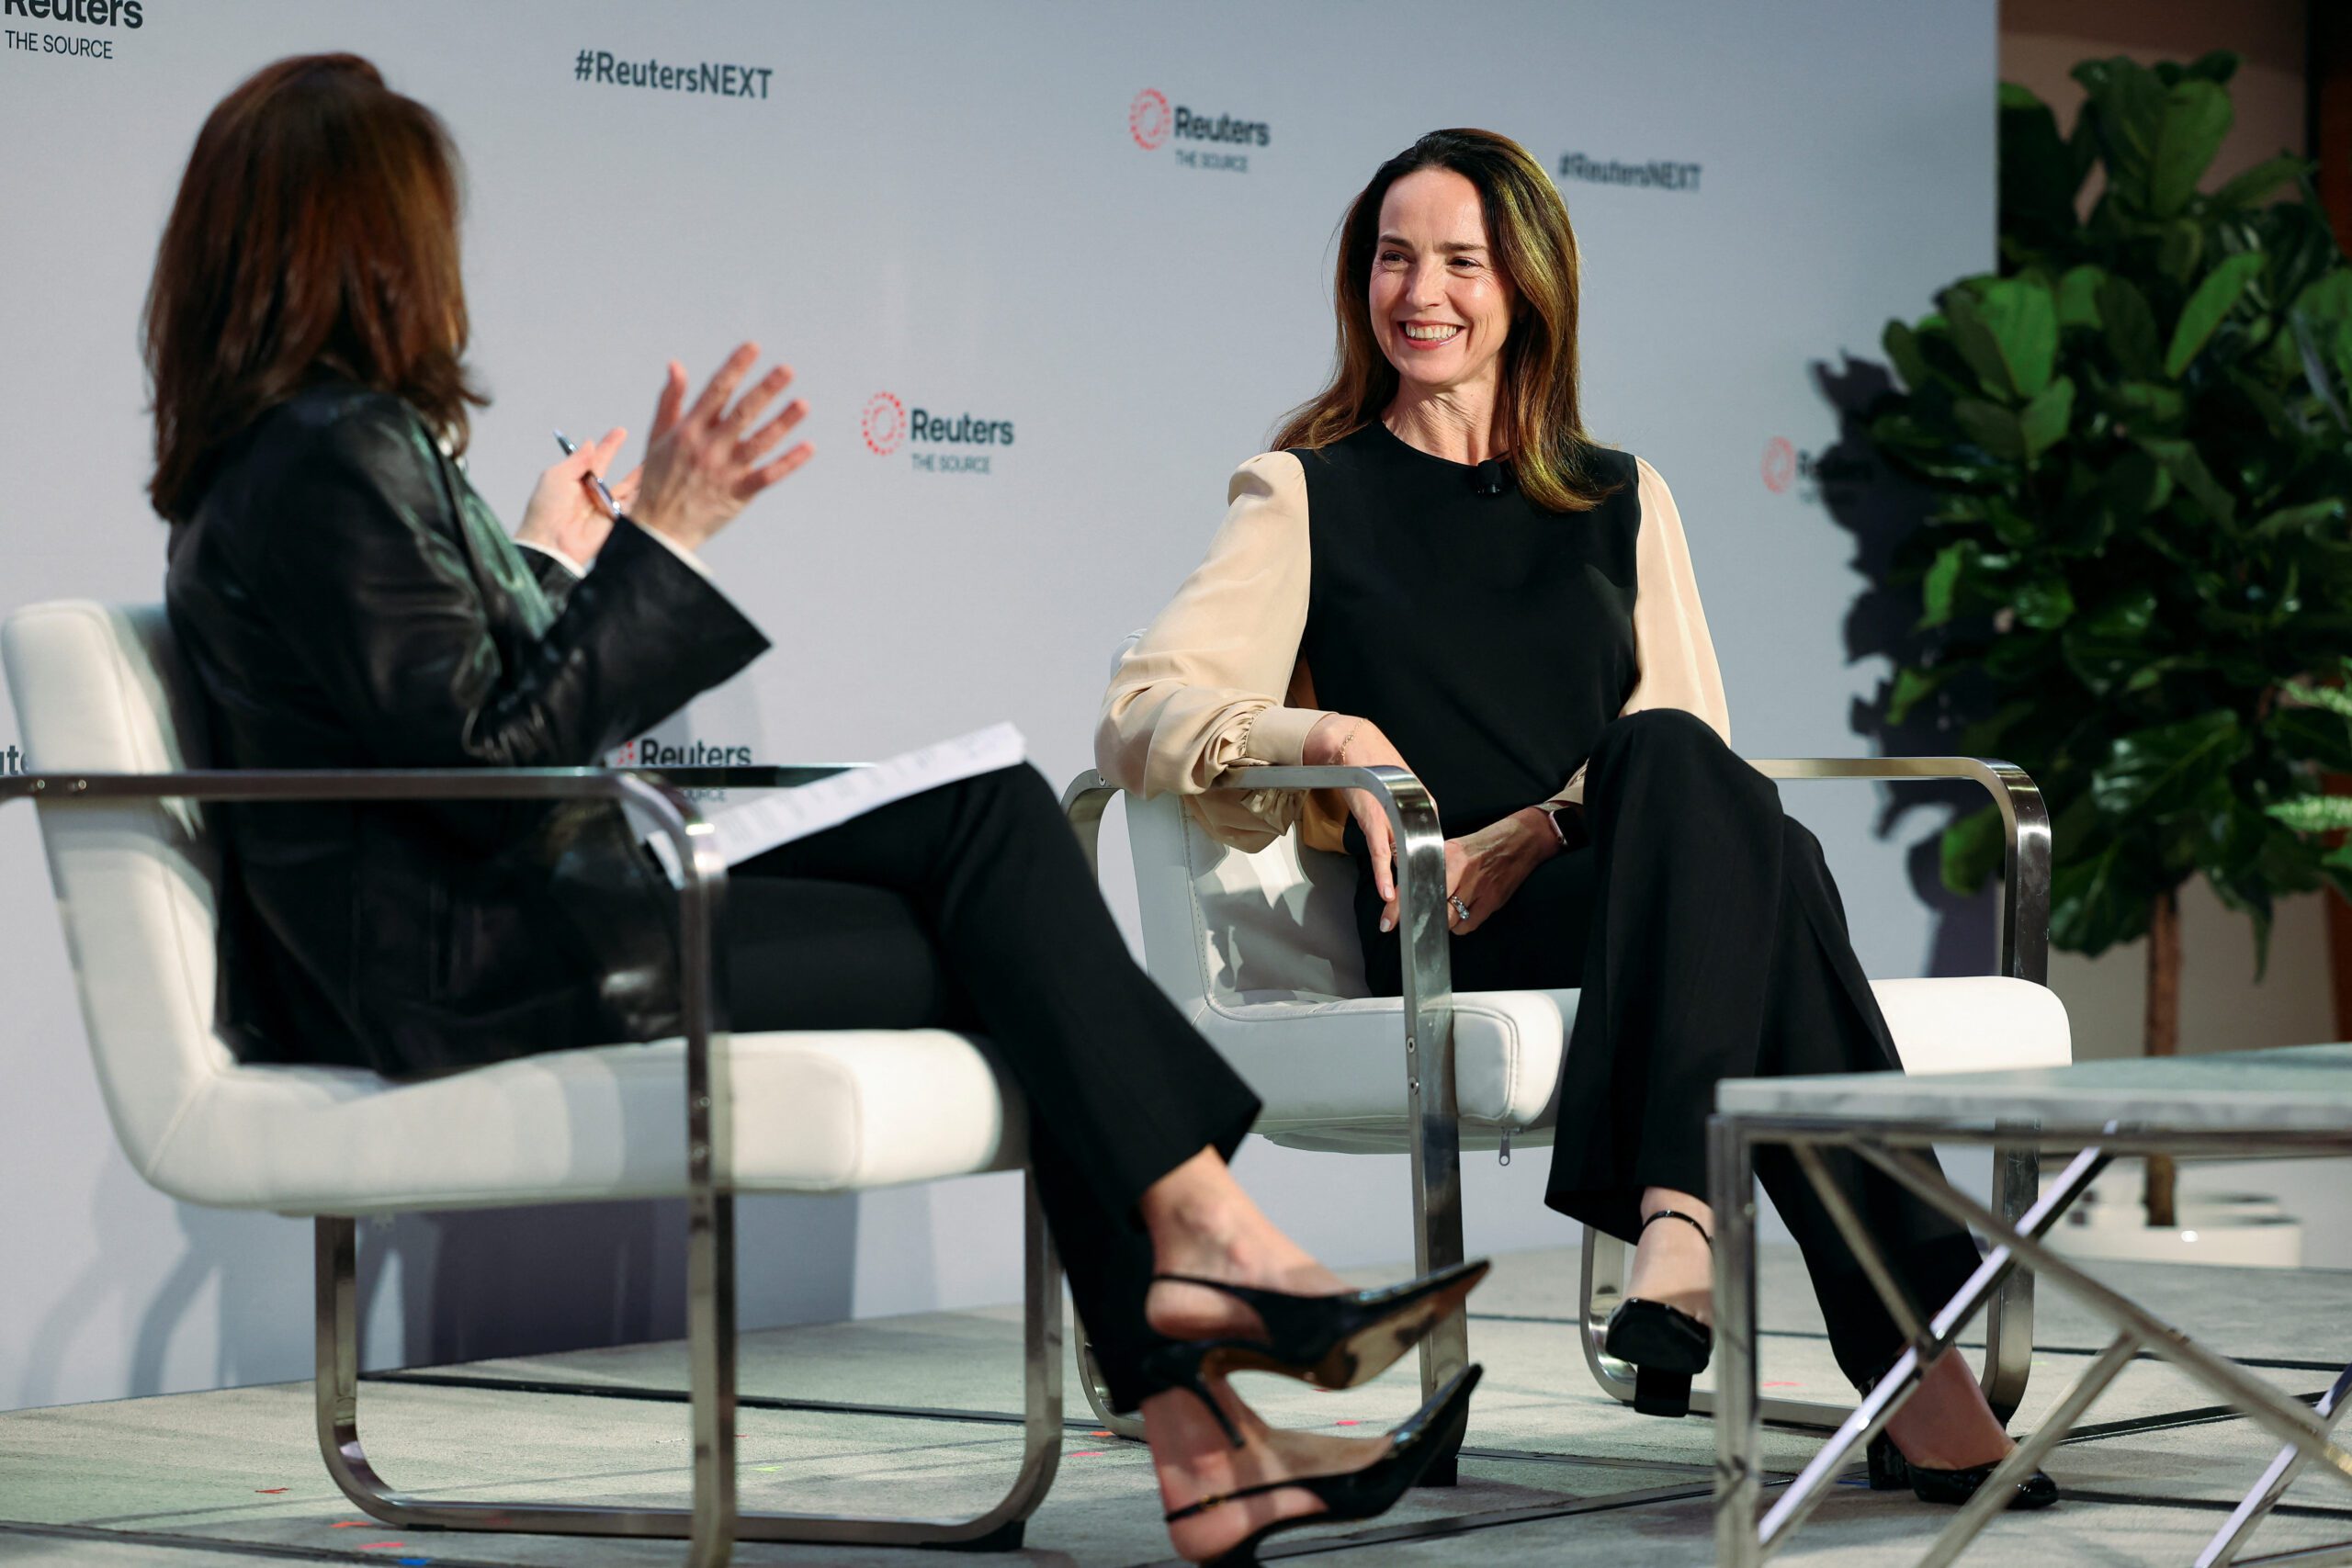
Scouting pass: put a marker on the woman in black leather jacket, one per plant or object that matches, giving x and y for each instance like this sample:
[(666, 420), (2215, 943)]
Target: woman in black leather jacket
[(345, 600)]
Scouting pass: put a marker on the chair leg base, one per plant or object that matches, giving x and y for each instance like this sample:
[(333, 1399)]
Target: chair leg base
[(1444, 1471), (1006, 1537)]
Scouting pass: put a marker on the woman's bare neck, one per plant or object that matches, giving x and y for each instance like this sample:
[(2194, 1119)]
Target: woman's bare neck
[(1457, 425)]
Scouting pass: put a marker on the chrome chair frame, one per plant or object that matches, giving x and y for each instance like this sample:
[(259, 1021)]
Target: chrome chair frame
[(2023, 943), (712, 1522)]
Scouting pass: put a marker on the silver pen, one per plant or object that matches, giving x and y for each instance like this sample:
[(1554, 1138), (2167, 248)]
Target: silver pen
[(612, 507)]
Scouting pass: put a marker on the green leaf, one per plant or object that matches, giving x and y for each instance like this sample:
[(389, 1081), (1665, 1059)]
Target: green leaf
[(2182, 461), (1972, 849), (2313, 735), (1972, 335), (2135, 485), (2130, 326), (2125, 106), (2044, 423), (1913, 687), (1943, 582), (2098, 902), (2335, 699), (1991, 426), (2151, 773), (1902, 345), (2214, 299), (2152, 401), (2314, 813), (2043, 602), (2290, 520), (2196, 116), (2023, 320), (2114, 640), (2177, 254), (2251, 187), (2078, 297)]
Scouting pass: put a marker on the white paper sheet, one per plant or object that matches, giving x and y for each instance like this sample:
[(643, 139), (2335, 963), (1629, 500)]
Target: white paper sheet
[(775, 816)]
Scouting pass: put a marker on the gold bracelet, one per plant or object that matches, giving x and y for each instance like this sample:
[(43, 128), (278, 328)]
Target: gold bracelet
[(1341, 754)]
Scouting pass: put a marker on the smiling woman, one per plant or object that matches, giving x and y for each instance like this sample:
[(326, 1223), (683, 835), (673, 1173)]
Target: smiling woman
[(1438, 571), (1487, 214)]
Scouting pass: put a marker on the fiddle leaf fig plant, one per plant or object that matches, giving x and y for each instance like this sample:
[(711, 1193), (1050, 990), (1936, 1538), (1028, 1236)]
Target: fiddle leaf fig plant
[(2136, 570)]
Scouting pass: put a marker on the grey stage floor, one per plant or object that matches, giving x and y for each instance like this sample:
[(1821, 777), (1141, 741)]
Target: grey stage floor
[(1556, 1472)]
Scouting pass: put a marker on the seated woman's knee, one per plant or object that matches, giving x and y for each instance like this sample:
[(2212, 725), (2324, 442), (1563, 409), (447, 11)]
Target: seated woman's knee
[(1656, 729)]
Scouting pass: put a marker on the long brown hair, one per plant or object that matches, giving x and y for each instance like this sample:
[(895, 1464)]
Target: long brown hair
[(315, 234), (1527, 225)]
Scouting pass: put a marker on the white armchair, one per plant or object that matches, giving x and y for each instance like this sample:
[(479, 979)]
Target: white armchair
[(113, 739), (1260, 952)]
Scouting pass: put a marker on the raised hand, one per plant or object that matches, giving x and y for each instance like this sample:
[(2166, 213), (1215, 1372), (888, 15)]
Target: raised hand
[(704, 464), (563, 513)]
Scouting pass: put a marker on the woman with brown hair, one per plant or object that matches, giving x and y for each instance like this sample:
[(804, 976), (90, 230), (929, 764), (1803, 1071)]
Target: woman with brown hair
[(1437, 570), (344, 599)]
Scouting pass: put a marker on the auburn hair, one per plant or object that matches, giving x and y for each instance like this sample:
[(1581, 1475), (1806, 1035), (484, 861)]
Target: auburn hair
[(1537, 407), (315, 235)]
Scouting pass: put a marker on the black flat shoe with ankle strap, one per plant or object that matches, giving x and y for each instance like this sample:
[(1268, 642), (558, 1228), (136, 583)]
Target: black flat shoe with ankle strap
[(1666, 1345), (1430, 1434)]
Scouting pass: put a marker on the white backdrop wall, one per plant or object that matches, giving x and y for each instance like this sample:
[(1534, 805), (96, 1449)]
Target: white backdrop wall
[(971, 210)]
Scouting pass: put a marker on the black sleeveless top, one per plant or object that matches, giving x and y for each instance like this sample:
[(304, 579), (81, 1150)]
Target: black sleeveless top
[(1490, 640)]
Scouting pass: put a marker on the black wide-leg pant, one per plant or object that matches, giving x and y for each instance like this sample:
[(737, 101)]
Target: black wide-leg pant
[(1709, 940), (971, 907)]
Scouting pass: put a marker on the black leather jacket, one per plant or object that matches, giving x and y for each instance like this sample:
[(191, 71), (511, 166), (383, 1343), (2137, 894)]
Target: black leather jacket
[(344, 599)]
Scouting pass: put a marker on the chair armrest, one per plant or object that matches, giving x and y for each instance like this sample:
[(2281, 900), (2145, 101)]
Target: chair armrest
[(701, 894), (2024, 937)]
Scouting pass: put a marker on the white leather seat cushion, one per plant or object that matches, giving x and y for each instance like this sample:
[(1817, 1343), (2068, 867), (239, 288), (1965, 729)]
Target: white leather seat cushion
[(99, 688), (1332, 1073), (814, 1112)]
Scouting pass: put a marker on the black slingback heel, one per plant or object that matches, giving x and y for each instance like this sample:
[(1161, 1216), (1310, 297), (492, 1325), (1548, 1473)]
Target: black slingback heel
[(1434, 1431), (1330, 1341), (1664, 1344)]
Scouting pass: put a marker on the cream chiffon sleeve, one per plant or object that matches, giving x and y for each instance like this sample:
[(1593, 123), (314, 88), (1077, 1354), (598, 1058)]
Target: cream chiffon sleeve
[(1214, 682), (1671, 648)]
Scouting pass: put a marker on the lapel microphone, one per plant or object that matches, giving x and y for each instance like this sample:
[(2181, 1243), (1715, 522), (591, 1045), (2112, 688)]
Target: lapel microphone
[(1490, 478)]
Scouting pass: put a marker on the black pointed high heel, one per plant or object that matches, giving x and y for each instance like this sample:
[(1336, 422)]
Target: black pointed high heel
[(1891, 1472), (1434, 1431), (1666, 1345), (1330, 1341)]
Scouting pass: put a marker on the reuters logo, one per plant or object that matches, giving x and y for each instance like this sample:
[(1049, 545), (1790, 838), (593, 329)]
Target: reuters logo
[(884, 425), (1148, 120), (1779, 464)]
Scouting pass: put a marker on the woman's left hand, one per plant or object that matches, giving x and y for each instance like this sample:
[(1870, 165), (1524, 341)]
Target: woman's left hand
[(564, 515), (1485, 868)]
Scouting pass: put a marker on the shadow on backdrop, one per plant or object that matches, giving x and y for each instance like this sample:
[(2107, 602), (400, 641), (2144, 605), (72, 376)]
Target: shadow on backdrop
[(1882, 508)]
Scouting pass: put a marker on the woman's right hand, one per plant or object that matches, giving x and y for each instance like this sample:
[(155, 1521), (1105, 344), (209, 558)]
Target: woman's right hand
[(703, 463), (1342, 739)]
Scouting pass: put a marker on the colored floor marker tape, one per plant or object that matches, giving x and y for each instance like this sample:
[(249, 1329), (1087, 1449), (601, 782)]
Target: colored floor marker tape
[(1086, 1453), (269, 1491), (767, 1467), (383, 1546), (1783, 1384), (1104, 1433), (1350, 1423), (352, 1524)]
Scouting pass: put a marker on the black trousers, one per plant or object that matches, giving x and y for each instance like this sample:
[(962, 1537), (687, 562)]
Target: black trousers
[(1709, 940), (971, 907)]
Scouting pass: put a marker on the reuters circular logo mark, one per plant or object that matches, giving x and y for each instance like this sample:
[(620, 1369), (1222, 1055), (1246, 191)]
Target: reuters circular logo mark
[(884, 424), (1779, 464), (1148, 119)]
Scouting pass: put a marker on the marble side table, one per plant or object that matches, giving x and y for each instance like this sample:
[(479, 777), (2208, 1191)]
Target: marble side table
[(2253, 1102)]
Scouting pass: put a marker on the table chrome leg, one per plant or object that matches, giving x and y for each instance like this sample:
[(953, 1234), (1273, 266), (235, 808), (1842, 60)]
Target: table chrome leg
[(2285, 1417), (1739, 1436), (2223, 1549), (2001, 1485)]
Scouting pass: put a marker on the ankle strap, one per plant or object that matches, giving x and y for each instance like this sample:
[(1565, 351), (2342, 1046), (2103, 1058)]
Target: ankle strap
[(1214, 1498), (1686, 1219)]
